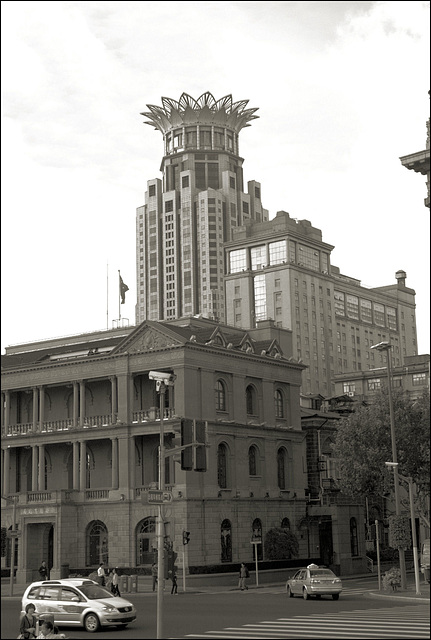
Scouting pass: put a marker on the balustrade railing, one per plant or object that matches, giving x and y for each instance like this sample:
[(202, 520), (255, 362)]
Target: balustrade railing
[(66, 424)]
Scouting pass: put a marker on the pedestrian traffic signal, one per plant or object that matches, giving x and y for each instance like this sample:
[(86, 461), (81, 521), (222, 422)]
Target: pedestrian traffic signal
[(200, 451), (186, 537), (186, 441)]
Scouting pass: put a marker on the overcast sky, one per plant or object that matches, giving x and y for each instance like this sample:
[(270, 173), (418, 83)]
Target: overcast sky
[(342, 91)]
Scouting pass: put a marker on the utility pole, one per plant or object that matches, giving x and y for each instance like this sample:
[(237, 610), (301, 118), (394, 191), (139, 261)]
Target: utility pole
[(161, 524)]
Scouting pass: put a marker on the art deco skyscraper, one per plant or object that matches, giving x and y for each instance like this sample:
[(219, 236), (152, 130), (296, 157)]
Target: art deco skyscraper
[(189, 214)]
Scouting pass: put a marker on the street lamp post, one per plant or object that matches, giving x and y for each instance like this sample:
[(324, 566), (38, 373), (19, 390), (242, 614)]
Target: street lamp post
[(386, 346), (160, 524)]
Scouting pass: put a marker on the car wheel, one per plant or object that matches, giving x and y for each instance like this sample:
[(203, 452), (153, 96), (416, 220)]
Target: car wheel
[(335, 596), (289, 592), (305, 594), (91, 622)]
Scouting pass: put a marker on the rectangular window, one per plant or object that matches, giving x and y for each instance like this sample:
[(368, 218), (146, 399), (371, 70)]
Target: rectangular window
[(379, 314), (339, 303), (260, 297), (419, 379), (238, 260), (258, 257), (277, 252), (185, 182), (374, 384), (391, 317), (352, 304), (152, 190)]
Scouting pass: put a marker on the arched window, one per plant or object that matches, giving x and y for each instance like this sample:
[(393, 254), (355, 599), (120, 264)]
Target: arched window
[(226, 541), (220, 396), (353, 537), (285, 523), (146, 542), (279, 404), (257, 535), (281, 468), (222, 466), (97, 543), (250, 399), (252, 460)]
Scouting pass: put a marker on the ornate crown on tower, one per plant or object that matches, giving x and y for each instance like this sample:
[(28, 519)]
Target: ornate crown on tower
[(204, 110)]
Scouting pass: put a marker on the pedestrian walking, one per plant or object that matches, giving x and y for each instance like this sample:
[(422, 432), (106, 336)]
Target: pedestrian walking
[(43, 571), (27, 627), (243, 575), (114, 584), (101, 575), (154, 574), (174, 584)]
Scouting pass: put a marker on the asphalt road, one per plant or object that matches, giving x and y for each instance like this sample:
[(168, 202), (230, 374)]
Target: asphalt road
[(226, 613)]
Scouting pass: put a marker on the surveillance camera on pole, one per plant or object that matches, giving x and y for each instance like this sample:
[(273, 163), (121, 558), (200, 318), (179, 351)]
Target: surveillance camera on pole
[(162, 377)]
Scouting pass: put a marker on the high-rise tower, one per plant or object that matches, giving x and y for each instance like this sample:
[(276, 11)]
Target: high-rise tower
[(189, 214)]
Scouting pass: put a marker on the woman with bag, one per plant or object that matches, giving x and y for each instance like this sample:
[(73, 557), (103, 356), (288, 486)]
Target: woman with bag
[(27, 628)]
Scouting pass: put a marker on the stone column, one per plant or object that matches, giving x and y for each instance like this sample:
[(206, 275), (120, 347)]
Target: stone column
[(6, 410), (41, 408), (83, 466), (75, 463), (41, 483), (81, 403), (114, 399), (6, 477), (132, 462), (35, 408), (75, 403), (34, 466), (114, 468)]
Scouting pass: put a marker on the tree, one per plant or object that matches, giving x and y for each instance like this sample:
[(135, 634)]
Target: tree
[(363, 444), (281, 544)]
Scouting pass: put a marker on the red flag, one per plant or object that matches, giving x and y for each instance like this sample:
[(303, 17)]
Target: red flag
[(123, 289)]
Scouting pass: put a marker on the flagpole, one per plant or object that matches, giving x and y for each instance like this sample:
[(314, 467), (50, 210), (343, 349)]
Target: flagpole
[(107, 296), (119, 298)]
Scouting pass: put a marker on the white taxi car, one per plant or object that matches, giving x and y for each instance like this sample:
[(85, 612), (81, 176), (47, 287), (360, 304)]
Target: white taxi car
[(314, 581), (78, 602)]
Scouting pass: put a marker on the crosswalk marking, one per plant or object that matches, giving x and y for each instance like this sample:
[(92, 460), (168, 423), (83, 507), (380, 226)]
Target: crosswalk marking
[(406, 622)]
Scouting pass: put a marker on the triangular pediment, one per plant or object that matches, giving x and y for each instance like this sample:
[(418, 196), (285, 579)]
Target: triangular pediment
[(149, 336)]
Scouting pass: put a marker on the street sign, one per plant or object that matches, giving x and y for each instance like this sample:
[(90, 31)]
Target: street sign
[(14, 533), (159, 497), (256, 541)]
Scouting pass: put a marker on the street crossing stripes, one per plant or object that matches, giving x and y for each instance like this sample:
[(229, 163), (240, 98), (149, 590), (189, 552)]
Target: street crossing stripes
[(405, 622)]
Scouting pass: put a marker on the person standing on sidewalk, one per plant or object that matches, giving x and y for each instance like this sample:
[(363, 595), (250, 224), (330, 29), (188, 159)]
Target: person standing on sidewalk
[(174, 584), (154, 574), (43, 571), (114, 586), (243, 575)]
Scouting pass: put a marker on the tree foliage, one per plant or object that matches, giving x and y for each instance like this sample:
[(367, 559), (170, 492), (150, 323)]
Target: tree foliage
[(281, 544), (363, 444)]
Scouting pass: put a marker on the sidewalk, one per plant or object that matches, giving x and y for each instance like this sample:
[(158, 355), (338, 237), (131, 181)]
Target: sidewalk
[(202, 584)]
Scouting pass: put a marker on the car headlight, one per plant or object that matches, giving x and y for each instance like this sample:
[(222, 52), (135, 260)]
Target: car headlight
[(109, 609), (337, 581)]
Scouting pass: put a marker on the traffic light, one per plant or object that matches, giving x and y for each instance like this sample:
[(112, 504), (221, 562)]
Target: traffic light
[(186, 537), (201, 451), (187, 439)]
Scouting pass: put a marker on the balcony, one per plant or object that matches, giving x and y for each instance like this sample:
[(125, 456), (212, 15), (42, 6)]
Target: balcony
[(105, 420)]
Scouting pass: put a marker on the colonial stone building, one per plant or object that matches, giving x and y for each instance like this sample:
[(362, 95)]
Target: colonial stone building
[(80, 437)]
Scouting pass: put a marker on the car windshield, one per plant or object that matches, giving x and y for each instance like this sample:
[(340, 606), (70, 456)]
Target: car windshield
[(95, 592), (320, 573)]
